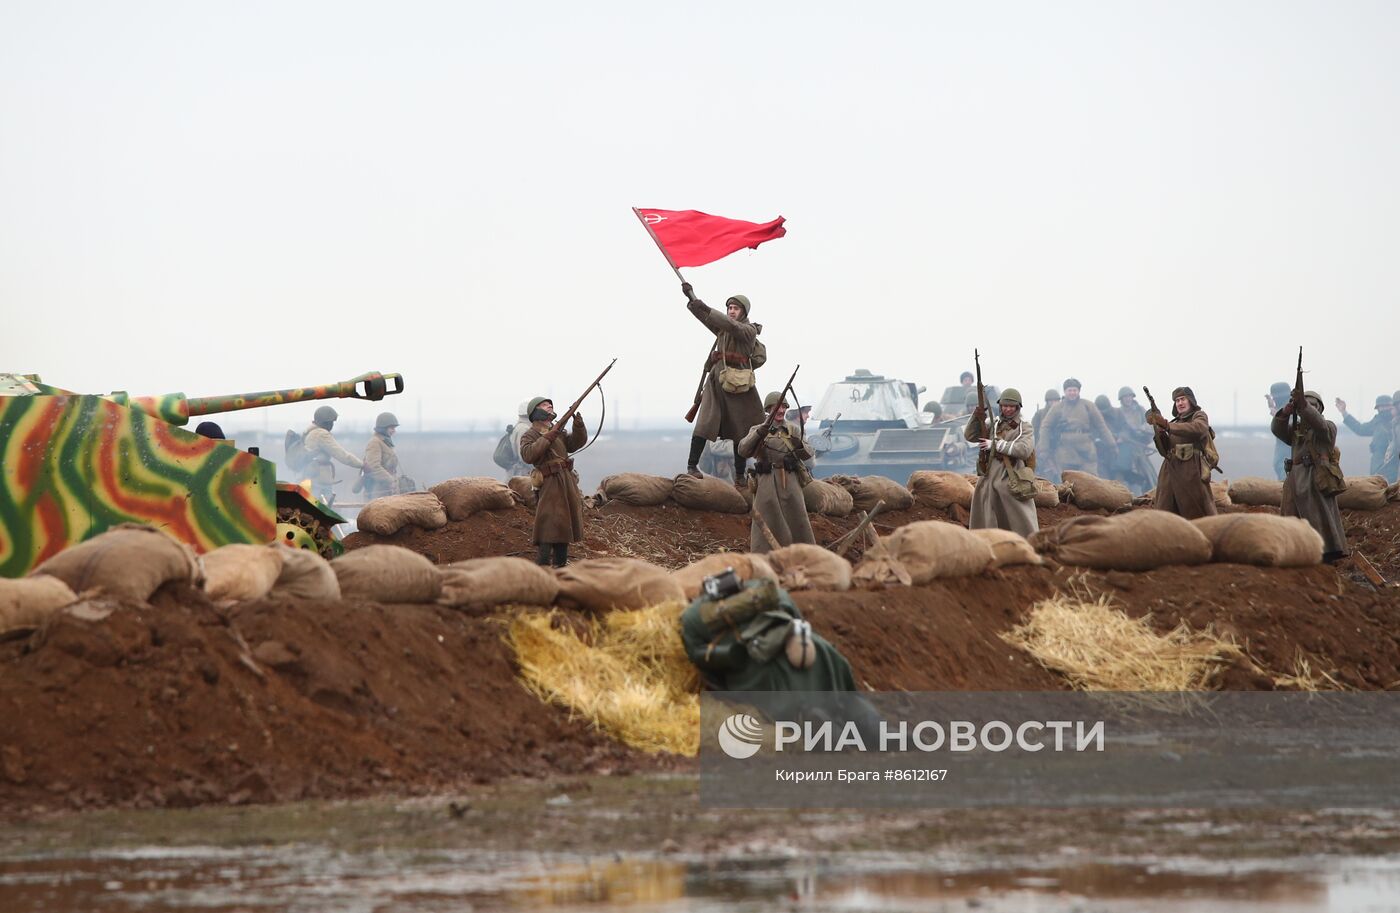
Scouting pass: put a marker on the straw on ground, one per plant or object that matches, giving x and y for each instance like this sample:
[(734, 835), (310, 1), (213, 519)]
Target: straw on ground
[(1097, 647), (628, 674)]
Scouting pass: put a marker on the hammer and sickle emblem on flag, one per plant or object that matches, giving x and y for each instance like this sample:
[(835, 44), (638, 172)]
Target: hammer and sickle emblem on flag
[(653, 218)]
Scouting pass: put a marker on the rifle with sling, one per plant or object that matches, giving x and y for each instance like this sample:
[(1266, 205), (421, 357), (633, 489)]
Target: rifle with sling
[(984, 457), (569, 413), (700, 387)]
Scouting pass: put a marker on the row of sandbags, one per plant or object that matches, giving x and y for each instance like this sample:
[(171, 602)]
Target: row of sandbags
[(1363, 492), (941, 489), (130, 562), (1143, 540), (388, 573), (454, 499)]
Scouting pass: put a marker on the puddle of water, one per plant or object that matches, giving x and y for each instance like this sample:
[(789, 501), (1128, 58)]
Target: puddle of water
[(301, 878)]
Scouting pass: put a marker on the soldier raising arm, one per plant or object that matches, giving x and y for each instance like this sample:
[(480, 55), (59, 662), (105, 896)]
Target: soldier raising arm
[(729, 404), (1185, 443), (779, 451), (1314, 476), (559, 505)]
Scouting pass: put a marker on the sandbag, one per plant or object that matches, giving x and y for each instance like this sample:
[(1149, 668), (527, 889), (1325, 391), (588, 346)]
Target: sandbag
[(242, 572), (1089, 492), (1136, 541), (1008, 548), (1046, 494), (1364, 493), (746, 566), (803, 566), (867, 491), (636, 488), (523, 490), (305, 575), (486, 582), (386, 516), (387, 573), (708, 493), (470, 494), (827, 499), (932, 549), (939, 490), (1220, 493), (604, 584), (25, 603), (1265, 540), (1256, 492), (128, 561)]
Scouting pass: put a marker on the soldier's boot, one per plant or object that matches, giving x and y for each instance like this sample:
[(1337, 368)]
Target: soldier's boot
[(740, 468), (542, 558), (561, 554), (692, 466)]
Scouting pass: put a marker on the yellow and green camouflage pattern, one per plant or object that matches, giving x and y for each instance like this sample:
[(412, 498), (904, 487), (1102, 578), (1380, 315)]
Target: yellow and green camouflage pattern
[(74, 465)]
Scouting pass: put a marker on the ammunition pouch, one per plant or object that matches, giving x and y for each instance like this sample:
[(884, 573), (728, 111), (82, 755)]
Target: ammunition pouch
[(1327, 478), (1021, 481), (1184, 452), (735, 380)]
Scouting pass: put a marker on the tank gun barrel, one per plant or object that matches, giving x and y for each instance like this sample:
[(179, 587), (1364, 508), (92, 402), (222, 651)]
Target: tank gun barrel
[(177, 409)]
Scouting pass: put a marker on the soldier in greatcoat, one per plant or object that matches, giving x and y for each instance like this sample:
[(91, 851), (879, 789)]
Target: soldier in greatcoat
[(1005, 492), (778, 449), (1070, 429), (1187, 446), (1314, 472), (729, 403), (559, 504)]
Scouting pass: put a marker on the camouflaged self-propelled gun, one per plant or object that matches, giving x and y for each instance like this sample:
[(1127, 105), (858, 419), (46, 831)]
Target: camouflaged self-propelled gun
[(73, 465)]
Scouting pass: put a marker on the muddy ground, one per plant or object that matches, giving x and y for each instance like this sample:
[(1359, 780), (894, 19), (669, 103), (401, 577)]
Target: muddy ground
[(182, 703)]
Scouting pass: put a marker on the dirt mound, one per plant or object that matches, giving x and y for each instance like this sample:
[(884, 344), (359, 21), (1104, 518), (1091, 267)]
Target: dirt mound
[(946, 635), (180, 704)]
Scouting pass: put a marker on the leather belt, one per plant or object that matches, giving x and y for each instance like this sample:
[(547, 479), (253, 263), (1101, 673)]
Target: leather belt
[(555, 467)]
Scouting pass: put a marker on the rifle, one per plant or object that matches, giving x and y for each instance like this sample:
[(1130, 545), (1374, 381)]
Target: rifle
[(1297, 394), (984, 457), (568, 414), (1152, 403), (782, 397), (700, 387)]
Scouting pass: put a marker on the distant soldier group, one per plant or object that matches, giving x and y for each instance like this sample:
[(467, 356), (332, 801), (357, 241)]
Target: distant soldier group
[(1096, 437)]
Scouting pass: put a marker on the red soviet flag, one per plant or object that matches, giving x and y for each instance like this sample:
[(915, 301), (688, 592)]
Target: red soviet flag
[(691, 238)]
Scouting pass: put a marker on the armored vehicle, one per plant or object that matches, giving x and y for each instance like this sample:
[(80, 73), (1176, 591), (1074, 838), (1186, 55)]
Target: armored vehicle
[(867, 424), (73, 465)]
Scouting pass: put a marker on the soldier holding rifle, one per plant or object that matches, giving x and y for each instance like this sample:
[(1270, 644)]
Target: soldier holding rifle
[(779, 450), (726, 403), (1187, 446), (559, 505), (1314, 470), (1005, 492)]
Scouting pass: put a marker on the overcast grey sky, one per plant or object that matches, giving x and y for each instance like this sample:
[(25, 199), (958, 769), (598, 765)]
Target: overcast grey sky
[(234, 196)]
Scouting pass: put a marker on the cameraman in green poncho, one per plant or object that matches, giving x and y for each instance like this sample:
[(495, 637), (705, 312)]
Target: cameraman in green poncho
[(752, 637)]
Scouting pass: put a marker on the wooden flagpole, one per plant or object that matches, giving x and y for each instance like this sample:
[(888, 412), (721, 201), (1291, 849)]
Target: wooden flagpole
[(645, 224)]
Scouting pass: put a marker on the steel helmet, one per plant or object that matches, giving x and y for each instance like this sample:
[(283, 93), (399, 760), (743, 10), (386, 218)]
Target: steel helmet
[(385, 420), (1010, 395), (324, 414)]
